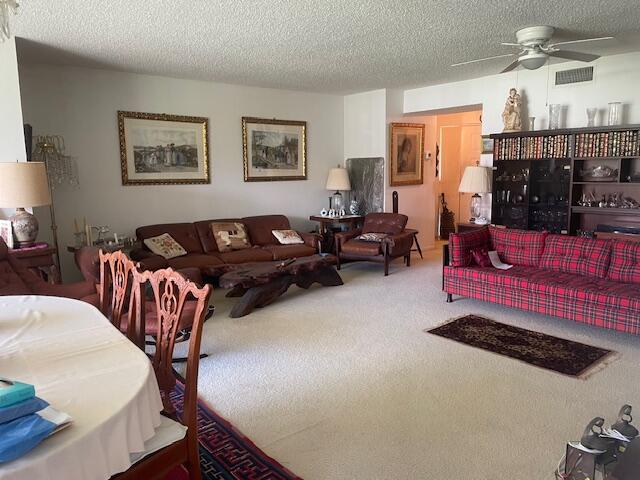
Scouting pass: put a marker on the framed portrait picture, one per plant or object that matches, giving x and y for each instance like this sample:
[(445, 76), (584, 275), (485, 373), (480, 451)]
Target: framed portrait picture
[(487, 144), (407, 147), (6, 232), (274, 149), (161, 149)]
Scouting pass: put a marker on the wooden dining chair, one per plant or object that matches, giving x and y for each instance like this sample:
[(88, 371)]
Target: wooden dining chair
[(176, 440), (115, 287)]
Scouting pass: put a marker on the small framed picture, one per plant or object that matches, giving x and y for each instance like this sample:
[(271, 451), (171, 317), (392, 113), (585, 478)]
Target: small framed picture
[(407, 153), (274, 150), (161, 149), (6, 232), (487, 145)]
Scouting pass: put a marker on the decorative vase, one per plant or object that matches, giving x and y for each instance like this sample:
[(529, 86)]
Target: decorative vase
[(25, 227), (615, 113), (591, 116), (532, 122), (554, 116), (354, 207)]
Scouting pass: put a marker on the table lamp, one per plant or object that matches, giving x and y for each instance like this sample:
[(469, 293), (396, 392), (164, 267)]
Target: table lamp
[(475, 180), (24, 184), (337, 180)]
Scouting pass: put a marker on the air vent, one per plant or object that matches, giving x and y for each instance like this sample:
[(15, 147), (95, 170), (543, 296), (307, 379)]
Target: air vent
[(575, 75)]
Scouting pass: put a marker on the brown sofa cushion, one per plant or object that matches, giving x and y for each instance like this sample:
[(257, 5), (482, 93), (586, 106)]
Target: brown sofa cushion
[(205, 234), (230, 236), (247, 255), (391, 223), (194, 260), (284, 252), (260, 228), (183, 233), (359, 247)]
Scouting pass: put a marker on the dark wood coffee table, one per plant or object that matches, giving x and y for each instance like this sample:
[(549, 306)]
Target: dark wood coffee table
[(261, 283)]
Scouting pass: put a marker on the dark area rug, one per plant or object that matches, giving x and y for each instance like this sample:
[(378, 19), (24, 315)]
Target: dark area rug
[(545, 351), (225, 453)]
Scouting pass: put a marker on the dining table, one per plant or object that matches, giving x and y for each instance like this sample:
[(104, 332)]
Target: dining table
[(83, 366)]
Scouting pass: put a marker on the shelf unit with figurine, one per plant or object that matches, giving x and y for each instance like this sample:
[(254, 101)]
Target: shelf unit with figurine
[(570, 181)]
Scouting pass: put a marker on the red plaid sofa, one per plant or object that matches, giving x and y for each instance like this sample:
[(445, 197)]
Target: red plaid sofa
[(591, 281)]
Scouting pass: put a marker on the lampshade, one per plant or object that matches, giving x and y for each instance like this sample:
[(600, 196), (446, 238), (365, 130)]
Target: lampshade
[(338, 179), (475, 180), (23, 184)]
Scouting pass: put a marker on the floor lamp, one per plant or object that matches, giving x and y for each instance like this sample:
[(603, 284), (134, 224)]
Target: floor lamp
[(60, 170)]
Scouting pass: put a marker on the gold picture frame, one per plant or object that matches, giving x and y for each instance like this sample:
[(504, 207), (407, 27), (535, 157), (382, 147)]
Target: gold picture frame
[(406, 157), (274, 150), (163, 149)]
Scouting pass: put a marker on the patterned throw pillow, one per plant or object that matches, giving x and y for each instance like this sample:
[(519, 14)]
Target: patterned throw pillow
[(287, 237), (481, 257), (230, 236), (582, 256), (518, 247), (372, 237), (165, 246), (625, 262), (461, 244)]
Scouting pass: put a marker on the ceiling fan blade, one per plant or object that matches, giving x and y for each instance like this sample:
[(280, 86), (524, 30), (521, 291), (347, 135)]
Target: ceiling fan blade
[(511, 66), (508, 44), (580, 41), (568, 55), (483, 59)]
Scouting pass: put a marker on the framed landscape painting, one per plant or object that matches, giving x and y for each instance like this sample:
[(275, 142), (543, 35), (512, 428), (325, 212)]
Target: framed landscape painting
[(161, 149), (274, 149), (407, 147)]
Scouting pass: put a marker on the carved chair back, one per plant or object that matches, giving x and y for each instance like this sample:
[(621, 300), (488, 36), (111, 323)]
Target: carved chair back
[(116, 285), (171, 291)]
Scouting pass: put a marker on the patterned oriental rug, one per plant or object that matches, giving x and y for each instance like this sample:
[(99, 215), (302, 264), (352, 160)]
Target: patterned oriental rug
[(225, 453), (545, 351)]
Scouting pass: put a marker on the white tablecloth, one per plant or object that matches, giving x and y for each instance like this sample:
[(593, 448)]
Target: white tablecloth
[(83, 366)]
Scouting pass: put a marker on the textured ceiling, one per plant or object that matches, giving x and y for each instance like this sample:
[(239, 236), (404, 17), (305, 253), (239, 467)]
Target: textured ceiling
[(324, 45)]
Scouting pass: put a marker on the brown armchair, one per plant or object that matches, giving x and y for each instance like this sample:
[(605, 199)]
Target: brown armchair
[(397, 243)]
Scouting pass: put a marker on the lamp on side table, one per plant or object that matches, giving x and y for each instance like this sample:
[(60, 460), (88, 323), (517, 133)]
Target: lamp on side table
[(475, 180)]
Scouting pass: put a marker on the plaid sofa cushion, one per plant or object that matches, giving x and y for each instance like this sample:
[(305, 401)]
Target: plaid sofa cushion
[(582, 256), (604, 303), (625, 262), (461, 244), (518, 247)]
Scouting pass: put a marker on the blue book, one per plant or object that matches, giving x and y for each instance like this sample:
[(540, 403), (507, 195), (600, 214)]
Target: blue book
[(14, 392), (21, 409)]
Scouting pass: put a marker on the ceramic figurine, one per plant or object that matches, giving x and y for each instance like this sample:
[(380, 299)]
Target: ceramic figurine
[(342, 212), (323, 212), (511, 113), (332, 213)]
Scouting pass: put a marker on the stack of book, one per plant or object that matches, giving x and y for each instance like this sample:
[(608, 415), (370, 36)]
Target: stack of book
[(607, 144), (550, 146), (25, 419)]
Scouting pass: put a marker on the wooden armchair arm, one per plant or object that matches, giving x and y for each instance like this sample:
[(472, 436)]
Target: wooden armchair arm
[(400, 244)]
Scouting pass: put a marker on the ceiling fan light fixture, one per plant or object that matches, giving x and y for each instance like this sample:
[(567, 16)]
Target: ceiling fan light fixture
[(533, 61)]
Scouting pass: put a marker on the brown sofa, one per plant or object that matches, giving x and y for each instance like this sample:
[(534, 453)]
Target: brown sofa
[(202, 250)]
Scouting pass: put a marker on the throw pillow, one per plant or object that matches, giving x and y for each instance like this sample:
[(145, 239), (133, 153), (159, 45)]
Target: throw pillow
[(581, 256), (518, 247), (165, 246), (625, 262), (461, 244), (481, 257), (230, 236), (287, 237), (372, 237)]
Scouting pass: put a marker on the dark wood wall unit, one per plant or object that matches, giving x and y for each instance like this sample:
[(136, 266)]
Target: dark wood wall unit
[(567, 180)]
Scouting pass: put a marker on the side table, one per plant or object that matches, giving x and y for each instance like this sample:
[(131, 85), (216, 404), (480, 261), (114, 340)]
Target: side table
[(353, 221), (40, 259)]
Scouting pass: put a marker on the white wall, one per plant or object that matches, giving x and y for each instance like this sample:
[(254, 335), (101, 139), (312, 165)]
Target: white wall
[(11, 133), (82, 104), (364, 124), (616, 79)]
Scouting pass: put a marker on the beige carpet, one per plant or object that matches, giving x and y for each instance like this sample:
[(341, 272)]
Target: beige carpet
[(342, 383)]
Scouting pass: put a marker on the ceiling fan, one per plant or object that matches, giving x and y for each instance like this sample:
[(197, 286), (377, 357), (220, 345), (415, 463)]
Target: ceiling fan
[(535, 49)]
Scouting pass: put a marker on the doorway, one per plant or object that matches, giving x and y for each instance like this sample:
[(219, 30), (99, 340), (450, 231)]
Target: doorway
[(459, 136)]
